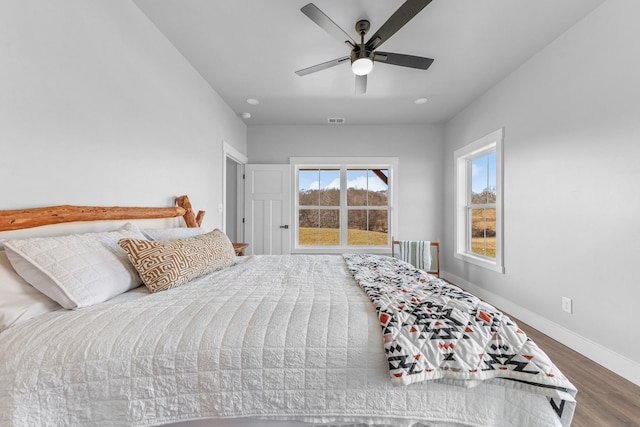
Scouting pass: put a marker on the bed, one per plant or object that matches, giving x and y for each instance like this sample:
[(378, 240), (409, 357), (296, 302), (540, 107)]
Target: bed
[(263, 341)]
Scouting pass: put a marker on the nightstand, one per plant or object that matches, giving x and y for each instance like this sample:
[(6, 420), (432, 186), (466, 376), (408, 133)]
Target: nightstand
[(240, 247)]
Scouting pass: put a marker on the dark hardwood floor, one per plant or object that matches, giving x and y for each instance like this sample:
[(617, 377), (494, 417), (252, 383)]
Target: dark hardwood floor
[(604, 398)]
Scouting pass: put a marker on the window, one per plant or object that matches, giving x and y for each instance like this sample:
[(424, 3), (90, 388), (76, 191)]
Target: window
[(343, 206), (479, 202)]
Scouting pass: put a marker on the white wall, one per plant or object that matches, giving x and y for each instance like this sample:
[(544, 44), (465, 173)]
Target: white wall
[(572, 144), (419, 152), (98, 108)]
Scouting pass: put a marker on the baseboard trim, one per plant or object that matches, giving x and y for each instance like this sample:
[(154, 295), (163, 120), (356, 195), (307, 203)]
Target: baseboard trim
[(611, 360)]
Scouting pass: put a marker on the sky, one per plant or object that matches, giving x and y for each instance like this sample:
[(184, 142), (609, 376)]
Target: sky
[(483, 172), (326, 179)]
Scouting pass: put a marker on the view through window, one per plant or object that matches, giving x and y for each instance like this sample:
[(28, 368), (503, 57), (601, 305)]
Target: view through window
[(345, 206), (482, 206)]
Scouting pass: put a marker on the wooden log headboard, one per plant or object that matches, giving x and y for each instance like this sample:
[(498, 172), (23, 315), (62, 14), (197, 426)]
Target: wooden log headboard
[(36, 217)]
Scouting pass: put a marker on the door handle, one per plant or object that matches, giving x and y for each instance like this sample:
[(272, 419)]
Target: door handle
[(286, 227)]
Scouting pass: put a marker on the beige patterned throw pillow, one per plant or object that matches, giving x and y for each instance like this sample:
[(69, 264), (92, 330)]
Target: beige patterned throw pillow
[(169, 263)]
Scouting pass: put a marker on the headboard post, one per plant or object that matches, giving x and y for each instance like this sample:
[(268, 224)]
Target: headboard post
[(189, 218)]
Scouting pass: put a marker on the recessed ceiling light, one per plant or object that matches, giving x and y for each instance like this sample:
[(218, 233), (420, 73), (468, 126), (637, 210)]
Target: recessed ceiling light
[(246, 115), (421, 101), (252, 101)]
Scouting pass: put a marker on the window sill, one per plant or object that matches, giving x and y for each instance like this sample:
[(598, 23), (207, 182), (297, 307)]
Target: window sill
[(480, 262)]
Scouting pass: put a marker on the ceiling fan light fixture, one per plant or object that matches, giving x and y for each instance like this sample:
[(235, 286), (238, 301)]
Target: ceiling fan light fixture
[(361, 62), (362, 66)]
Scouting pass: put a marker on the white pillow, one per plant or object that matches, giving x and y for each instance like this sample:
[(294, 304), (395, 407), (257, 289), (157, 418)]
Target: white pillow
[(77, 270), (172, 233), (19, 301)]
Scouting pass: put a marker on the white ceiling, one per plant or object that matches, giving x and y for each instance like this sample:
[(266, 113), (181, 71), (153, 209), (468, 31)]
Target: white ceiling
[(251, 49)]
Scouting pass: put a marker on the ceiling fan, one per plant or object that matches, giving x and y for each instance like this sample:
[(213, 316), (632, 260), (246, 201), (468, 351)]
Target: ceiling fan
[(363, 55)]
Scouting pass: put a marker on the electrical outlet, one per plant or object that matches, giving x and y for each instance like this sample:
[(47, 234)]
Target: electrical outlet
[(567, 305)]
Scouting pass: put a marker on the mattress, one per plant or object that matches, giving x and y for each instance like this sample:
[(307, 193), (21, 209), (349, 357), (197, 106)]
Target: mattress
[(291, 338)]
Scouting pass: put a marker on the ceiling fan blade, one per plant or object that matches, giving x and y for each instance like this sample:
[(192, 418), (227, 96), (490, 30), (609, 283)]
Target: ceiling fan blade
[(318, 16), (403, 60), (361, 85), (323, 66), (400, 17)]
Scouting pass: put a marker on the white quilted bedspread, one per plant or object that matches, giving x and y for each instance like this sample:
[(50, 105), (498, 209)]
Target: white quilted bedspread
[(275, 337)]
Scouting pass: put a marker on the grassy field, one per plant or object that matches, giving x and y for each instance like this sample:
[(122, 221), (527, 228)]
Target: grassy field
[(480, 220), (478, 246), (331, 236)]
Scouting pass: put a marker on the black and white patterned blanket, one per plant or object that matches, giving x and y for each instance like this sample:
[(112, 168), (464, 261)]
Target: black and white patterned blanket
[(433, 330)]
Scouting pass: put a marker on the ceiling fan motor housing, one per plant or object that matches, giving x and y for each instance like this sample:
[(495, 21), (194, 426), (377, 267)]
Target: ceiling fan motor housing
[(361, 60), (361, 52)]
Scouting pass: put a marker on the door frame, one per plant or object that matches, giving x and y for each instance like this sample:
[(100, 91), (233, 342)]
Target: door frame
[(229, 152)]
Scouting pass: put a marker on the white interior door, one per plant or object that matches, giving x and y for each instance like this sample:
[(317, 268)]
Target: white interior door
[(267, 209)]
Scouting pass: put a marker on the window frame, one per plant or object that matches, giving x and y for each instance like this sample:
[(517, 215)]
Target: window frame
[(344, 163), (490, 143)]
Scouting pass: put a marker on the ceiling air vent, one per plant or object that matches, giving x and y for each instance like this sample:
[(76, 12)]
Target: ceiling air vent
[(335, 120)]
